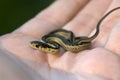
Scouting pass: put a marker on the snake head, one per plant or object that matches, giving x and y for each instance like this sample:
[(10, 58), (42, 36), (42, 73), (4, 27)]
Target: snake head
[(37, 44), (43, 46)]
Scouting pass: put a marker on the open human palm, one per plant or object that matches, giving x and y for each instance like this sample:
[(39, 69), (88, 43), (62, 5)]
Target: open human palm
[(100, 62)]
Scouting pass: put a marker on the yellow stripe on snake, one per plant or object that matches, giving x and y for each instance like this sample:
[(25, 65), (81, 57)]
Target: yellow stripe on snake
[(52, 42)]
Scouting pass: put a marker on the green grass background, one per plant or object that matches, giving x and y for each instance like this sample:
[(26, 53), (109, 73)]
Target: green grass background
[(14, 13)]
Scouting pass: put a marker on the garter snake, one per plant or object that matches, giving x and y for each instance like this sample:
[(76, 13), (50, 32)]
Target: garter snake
[(52, 42)]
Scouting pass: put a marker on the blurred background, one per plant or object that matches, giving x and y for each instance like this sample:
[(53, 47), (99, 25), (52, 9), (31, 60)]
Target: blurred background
[(14, 13)]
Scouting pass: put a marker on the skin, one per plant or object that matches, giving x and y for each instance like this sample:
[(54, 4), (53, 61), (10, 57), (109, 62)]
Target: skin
[(101, 62), (60, 37)]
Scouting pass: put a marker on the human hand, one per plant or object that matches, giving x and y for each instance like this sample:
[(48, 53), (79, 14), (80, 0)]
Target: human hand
[(101, 62)]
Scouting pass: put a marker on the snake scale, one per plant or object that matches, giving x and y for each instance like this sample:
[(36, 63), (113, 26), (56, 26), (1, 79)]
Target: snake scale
[(66, 39)]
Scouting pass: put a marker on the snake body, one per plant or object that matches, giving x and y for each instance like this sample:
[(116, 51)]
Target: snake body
[(52, 42)]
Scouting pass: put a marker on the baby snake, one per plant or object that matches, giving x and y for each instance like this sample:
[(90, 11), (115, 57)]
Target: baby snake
[(52, 42)]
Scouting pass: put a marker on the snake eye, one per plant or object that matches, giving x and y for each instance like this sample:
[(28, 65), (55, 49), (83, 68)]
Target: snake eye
[(35, 44)]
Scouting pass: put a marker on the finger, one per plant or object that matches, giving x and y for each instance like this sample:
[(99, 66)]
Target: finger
[(108, 24), (53, 17), (113, 43), (87, 19)]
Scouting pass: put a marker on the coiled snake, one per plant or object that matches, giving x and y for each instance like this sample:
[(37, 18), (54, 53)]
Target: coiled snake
[(52, 42)]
